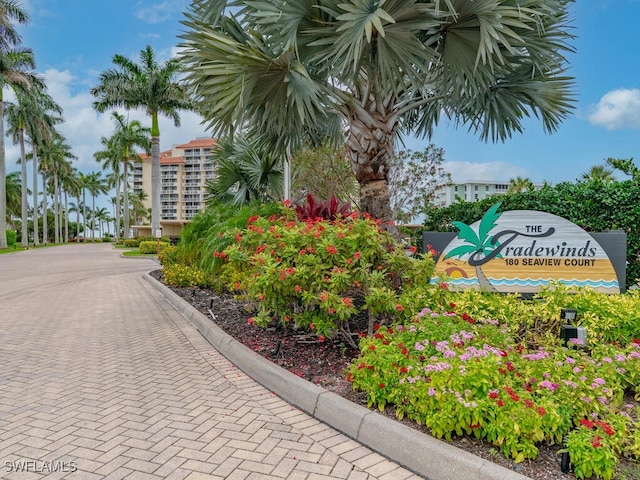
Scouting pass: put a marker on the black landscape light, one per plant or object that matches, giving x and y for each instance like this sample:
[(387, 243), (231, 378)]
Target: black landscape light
[(570, 334)]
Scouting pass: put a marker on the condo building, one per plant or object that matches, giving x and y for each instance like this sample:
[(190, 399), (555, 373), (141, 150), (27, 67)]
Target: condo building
[(184, 172)]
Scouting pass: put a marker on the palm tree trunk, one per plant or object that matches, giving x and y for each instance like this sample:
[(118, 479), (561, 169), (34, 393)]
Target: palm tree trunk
[(25, 205), (485, 284), (3, 180), (66, 217), (45, 227), (370, 143), (84, 215), (78, 217), (125, 199), (93, 217), (116, 229), (56, 220), (36, 226), (155, 184)]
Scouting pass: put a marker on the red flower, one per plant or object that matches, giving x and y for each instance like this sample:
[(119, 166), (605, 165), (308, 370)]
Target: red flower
[(253, 218), (404, 369), (250, 321), (237, 285), (493, 394), (413, 249), (379, 336), (541, 411), (332, 311), (587, 423), (528, 403), (347, 301), (381, 386), (298, 288), (361, 365), (515, 397), (331, 250), (372, 347), (238, 237), (444, 286), (303, 252), (357, 255), (312, 326), (510, 366), (452, 305), (376, 327), (596, 441), (608, 429), (321, 338), (287, 203), (399, 308), (261, 297), (500, 402)]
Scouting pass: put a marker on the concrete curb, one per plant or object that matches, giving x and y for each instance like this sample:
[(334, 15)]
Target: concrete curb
[(420, 453)]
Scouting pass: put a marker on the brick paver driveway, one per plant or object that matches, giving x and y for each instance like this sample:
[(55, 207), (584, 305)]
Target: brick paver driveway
[(101, 378)]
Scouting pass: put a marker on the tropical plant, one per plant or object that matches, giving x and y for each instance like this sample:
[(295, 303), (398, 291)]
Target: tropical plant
[(40, 113), (314, 209), (120, 149), (520, 184), (246, 172), (386, 68), (149, 85), (96, 185), (599, 173), (16, 65), (55, 156), (12, 195)]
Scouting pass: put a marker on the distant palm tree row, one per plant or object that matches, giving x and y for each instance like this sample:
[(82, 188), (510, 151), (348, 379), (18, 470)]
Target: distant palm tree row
[(32, 124)]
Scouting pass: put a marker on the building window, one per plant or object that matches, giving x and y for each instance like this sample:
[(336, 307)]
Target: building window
[(476, 189), (486, 189)]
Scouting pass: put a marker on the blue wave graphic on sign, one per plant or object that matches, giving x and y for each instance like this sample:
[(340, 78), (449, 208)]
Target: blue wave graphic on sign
[(511, 282)]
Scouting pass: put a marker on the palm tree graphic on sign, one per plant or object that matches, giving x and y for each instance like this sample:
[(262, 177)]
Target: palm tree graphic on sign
[(479, 246)]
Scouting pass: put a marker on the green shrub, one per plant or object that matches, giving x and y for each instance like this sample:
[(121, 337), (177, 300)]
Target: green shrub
[(132, 242), (185, 276), (11, 237), (168, 255), (152, 247)]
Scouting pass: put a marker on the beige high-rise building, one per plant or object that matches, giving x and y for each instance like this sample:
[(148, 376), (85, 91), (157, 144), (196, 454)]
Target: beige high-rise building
[(184, 171)]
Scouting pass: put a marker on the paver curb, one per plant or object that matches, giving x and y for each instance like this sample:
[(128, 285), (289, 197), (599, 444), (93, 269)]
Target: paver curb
[(420, 453)]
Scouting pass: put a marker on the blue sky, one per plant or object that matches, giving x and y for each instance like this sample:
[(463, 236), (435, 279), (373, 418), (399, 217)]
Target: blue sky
[(75, 40)]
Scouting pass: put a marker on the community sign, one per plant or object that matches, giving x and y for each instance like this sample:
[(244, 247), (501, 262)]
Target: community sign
[(523, 251)]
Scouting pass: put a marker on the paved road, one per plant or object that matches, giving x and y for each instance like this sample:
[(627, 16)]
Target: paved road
[(101, 378)]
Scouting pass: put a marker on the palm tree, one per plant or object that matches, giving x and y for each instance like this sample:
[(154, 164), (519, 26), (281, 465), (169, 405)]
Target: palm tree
[(149, 85), (385, 68), (55, 159), (13, 194), (520, 184), (15, 72), (140, 213), (127, 135), (96, 185), (599, 173), (245, 172), (102, 217), (31, 115)]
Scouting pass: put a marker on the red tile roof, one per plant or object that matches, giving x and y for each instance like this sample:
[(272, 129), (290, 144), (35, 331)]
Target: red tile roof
[(197, 143)]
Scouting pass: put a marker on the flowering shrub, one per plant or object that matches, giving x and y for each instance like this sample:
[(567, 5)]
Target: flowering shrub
[(318, 210), (317, 275), (460, 374), (180, 275), (152, 247)]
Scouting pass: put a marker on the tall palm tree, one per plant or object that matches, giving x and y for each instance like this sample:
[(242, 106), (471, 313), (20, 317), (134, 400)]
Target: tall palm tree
[(16, 65), (33, 115), (111, 160), (96, 185), (55, 159), (126, 136), (386, 68), (149, 85), (520, 184)]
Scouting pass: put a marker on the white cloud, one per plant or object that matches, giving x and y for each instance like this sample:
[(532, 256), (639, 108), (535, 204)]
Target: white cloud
[(160, 12), (490, 171), (617, 109)]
